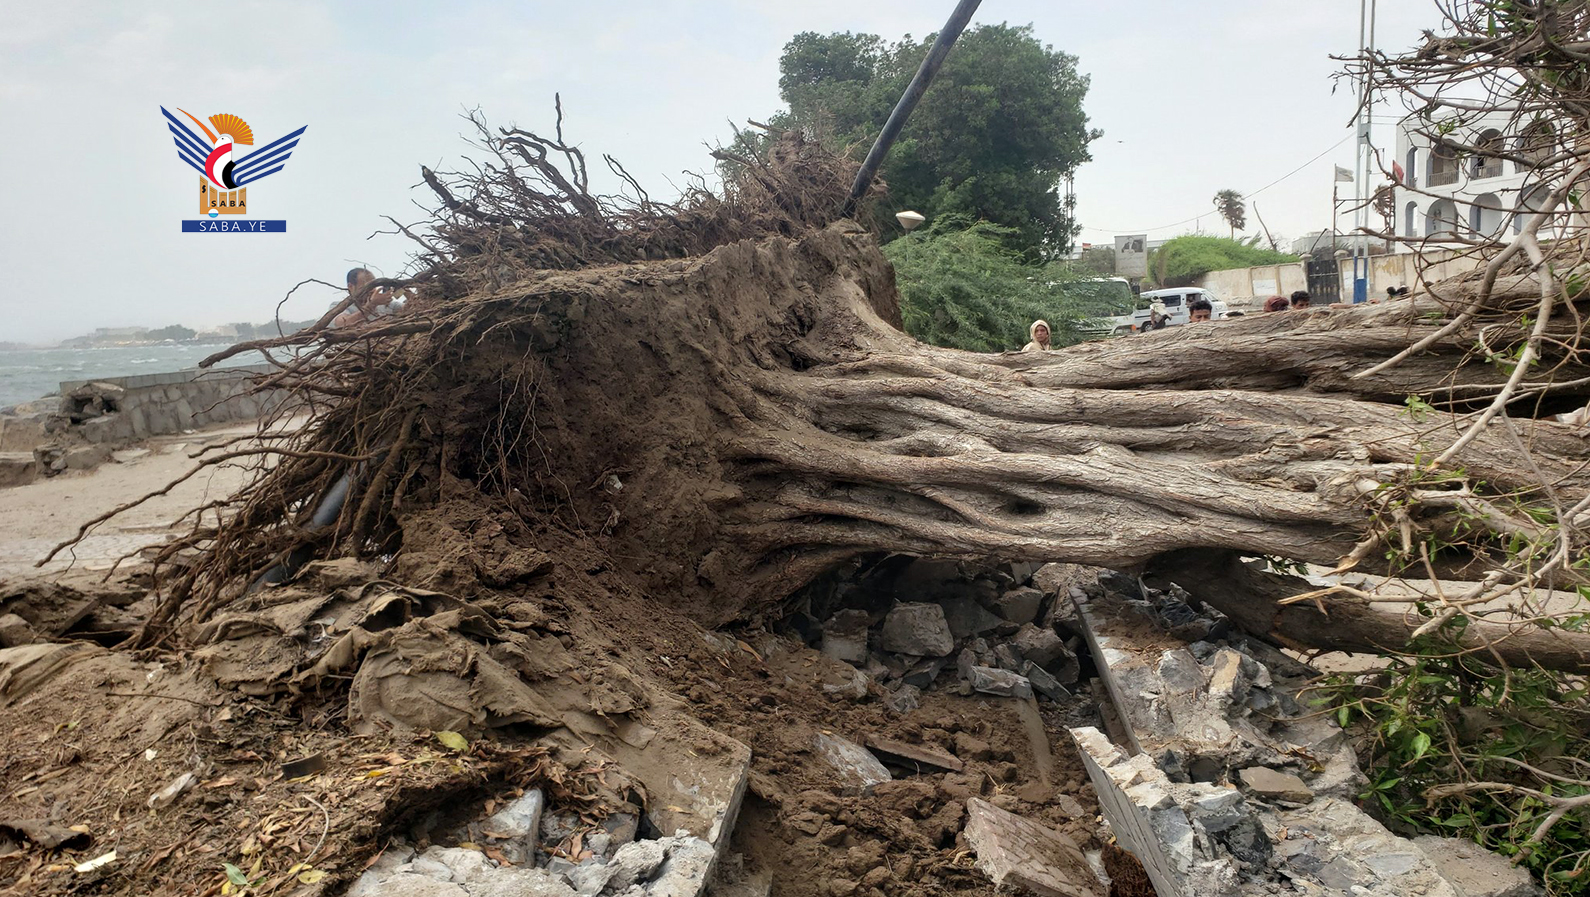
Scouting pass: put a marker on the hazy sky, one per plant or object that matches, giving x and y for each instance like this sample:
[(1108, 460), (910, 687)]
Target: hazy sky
[(1192, 98)]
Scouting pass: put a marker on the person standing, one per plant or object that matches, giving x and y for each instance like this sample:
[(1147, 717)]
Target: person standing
[(1199, 310), (1300, 299), (1038, 333)]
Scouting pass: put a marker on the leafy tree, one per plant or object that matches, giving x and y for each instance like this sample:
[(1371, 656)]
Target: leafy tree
[(964, 288), (1098, 260), (993, 137), (1231, 207)]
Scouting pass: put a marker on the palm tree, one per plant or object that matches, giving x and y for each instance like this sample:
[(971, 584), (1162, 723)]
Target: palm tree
[(1231, 207)]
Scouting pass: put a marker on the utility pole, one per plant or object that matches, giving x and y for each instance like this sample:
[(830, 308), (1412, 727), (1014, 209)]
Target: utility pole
[(1365, 155)]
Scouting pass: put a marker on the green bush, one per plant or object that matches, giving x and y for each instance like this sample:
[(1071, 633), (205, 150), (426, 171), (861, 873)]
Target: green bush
[(1435, 724), (1185, 259), (962, 287)]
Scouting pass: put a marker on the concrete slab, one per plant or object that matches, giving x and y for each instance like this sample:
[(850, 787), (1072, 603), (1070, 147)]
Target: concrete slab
[(1024, 853), (913, 755)]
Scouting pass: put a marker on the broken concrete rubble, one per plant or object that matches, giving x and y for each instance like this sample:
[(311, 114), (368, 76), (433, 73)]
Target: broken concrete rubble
[(978, 614), (1208, 792)]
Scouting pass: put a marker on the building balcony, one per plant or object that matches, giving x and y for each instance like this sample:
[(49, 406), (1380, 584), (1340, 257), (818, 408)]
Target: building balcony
[(1491, 169), (1442, 178)]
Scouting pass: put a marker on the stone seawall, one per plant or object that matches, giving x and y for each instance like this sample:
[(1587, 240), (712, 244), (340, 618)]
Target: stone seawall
[(119, 409)]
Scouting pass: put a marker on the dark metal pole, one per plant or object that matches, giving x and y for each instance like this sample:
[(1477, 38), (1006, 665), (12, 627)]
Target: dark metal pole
[(913, 93)]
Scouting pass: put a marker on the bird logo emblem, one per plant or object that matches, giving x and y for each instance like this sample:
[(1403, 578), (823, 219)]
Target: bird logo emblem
[(216, 156)]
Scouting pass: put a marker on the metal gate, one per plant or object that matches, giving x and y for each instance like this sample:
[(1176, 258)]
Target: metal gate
[(1324, 280)]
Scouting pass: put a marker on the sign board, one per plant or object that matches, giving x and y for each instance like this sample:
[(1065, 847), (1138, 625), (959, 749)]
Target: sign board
[(1131, 255)]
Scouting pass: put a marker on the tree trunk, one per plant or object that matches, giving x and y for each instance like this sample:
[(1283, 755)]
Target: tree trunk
[(738, 423), (730, 426), (1345, 623)]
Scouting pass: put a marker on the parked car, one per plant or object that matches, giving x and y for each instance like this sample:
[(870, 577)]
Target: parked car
[(1175, 300)]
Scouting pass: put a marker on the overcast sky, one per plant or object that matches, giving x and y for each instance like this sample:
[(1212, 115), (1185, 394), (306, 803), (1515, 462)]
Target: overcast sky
[(1192, 98)]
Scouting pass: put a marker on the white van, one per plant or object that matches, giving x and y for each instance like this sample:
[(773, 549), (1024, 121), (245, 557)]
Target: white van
[(1176, 300)]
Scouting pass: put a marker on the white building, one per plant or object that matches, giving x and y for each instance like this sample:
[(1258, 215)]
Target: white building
[(1444, 192)]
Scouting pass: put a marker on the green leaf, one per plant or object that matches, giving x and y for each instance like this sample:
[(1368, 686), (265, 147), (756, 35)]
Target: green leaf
[(453, 740), (1421, 745), (235, 875)]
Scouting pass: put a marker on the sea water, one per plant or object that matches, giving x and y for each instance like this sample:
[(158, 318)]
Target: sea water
[(29, 374)]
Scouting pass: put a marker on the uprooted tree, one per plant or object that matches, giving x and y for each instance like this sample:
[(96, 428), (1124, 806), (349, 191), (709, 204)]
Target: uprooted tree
[(716, 390)]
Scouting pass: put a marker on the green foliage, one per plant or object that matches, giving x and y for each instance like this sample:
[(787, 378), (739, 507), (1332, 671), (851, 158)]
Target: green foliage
[(1185, 259), (1440, 717), (175, 331), (1097, 260), (963, 287), (992, 139)]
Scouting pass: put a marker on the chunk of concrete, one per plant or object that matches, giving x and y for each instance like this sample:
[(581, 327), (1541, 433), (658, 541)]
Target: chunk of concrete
[(1002, 683), (1473, 871), (1027, 854), (1018, 605), (21, 468), (1275, 785), (1008, 657), (85, 457), (518, 825), (1041, 646), (845, 636), (916, 756), (904, 699), (1043, 683), (967, 618), (15, 631), (1226, 678), (918, 629), (923, 673), (128, 456), (858, 769), (520, 818)]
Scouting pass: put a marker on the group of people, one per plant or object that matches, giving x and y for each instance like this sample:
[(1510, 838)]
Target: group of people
[(1300, 299)]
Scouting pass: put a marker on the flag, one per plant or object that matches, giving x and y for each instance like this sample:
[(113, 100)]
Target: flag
[(1344, 174), (1397, 174)]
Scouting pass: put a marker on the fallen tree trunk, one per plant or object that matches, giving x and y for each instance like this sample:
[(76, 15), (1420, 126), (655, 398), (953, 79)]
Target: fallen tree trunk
[(734, 425), (728, 407)]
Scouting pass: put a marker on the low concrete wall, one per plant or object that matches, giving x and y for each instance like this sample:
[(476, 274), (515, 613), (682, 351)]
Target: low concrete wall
[(156, 404), (1245, 289)]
